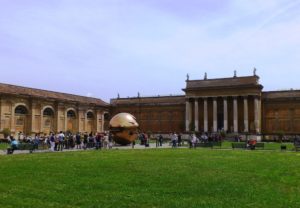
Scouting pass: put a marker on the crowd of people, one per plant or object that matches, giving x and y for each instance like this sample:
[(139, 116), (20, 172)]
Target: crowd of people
[(193, 139), (177, 140), (61, 140)]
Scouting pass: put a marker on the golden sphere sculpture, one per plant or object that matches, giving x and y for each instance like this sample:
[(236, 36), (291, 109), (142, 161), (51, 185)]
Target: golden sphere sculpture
[(124, 128)]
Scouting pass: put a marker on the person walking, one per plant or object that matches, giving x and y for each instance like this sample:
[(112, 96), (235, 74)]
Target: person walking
[(78, 141)]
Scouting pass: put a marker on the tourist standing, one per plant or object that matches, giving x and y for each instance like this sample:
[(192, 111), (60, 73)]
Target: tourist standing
[(85, 140), (157, 141), (98, 141), (194, 141), (106, 141), (190, 141), (146, 140), (161, 139), (91, 141), (179, 140), (78, 141), (36, 142), (21, 137), (52, 142), (61, 139), (174, 140), (110, 141)]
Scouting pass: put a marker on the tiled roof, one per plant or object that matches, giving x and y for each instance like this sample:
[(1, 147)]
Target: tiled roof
[(38, 93)]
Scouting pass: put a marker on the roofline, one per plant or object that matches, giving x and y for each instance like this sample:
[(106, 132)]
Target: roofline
[(259, 86), (226, 78), (62, 93), (165, 96), (280, 91)]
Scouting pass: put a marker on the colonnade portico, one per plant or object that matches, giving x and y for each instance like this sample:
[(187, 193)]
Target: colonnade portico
[(220, 109)]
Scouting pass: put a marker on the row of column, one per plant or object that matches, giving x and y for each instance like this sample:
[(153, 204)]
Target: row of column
[(257, 113)]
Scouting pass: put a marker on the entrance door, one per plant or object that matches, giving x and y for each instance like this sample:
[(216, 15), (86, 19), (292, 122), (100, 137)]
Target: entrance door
[(48, 121), (90, 122), (71, 121)]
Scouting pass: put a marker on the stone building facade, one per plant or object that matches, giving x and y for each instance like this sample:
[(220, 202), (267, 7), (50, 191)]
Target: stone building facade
[(154, 114), (32, 111), (234, 104)]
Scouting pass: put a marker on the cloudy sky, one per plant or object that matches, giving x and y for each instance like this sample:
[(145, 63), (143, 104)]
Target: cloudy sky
[(101, 48)]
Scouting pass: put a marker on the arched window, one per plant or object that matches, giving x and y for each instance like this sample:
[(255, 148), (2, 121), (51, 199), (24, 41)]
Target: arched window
[(21, 110), (71, 114), (48, 112), (90, 115)]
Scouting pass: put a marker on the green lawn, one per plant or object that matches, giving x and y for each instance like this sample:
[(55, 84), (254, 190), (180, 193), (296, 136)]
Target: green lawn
[(268, 146), (151, 178), (3, 146)]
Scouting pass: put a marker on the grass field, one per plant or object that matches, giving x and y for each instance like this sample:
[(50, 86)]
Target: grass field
[(151, 178), (225, 145)]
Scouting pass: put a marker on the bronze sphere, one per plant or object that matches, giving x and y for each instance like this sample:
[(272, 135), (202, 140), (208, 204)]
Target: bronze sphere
[(124, 127)]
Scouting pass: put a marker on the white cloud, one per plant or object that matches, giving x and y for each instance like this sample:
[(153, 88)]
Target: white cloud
[(130, 47)]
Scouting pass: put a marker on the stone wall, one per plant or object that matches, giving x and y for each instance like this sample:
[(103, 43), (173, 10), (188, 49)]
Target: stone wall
[(33, 115)]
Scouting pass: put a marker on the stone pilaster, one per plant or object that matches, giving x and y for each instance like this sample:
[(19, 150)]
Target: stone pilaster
[(33, 121), (225, 114), (205, 115), (257, 112), (196, 115), (187, 119), (246, 117), (215, 115), (12, 120), (235, 115), (102, 122)]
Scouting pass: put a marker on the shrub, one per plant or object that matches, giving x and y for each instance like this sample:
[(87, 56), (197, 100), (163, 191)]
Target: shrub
[(6, 132)]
